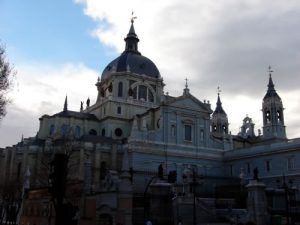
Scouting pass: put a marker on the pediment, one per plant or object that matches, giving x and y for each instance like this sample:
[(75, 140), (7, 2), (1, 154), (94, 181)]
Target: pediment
[(190, 102)]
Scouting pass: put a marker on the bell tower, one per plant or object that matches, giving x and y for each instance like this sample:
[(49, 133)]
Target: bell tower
[(219, 122), (272, 108)]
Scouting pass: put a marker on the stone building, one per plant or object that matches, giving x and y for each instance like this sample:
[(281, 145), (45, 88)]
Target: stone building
[(117, 144)]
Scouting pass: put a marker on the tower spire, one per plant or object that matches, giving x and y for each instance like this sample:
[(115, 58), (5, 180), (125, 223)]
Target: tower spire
[(271, 87), (131, 38), (219, 117), (66, 104), (219, 108), (271, 84)]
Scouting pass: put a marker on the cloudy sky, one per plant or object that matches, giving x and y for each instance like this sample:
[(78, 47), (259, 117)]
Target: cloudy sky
[(61, 47)]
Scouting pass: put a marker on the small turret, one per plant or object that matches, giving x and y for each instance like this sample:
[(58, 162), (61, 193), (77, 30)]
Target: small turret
[(272, 108), (132, 39), (219, 118)]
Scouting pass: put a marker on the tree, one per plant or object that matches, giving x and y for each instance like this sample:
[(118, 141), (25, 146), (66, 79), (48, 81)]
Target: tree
[(10, 202), (6, 75)]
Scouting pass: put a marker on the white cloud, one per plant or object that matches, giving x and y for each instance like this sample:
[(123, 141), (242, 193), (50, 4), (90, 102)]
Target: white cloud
[(41, 90), (214, 43), (225, 43)]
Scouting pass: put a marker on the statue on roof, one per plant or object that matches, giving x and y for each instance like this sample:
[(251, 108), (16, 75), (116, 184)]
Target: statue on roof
[(88, 102)]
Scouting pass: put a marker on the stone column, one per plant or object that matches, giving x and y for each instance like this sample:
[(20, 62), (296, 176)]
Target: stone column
[(257, 203)]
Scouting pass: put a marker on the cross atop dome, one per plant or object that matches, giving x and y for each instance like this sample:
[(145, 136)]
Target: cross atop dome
[(270, 71), (219, 90), (133, 17), (186, 90)]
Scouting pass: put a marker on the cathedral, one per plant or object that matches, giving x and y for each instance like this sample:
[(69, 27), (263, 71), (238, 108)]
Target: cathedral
[(138, 154)]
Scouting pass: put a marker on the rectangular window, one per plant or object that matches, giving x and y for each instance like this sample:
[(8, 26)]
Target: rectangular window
[(187, 132), (291, 163), (119, 110), (268, 166)]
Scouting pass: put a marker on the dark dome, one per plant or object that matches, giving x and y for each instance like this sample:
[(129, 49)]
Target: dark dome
[(131, 59), (131, 62)]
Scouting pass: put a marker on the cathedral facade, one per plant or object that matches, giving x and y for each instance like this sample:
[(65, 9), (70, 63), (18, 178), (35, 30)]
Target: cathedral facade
[(134, 136)]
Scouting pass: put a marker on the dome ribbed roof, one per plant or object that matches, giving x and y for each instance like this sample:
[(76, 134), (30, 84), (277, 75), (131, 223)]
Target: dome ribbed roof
[(131, 59), (131, 62)]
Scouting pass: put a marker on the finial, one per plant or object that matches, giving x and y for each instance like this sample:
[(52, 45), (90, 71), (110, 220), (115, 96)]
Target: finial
[(133, 17), (66, 104), (98, 79), (22, 139), (270, 71), (186, 90), (219, 90), (186, 83)]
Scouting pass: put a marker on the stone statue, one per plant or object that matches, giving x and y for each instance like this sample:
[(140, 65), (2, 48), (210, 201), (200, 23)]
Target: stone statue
[(88, 102), (81, 105), (160, 171), (255, 174)]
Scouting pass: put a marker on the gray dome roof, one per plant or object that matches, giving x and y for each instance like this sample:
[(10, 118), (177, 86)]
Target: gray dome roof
[(131, 59), (131, 62)]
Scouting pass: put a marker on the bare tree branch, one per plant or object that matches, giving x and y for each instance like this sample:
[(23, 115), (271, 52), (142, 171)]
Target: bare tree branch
[(7, 74)]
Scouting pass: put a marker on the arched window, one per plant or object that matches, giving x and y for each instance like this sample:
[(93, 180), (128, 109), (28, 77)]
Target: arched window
[(103, 132), (120, 89), (214, 128), (268, 117), (142, 92), (119, 110), (92, 132), (279, 119)]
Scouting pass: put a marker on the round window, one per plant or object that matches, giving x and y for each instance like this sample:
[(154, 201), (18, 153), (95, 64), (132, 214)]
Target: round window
[(118, 132)]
